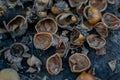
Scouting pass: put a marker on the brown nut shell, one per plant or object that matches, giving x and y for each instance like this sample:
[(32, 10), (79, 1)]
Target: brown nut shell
[(61, 49), (100, 4), (79, 9), (79, 62), (34, 61), (95, 41), (17, 49), (54, 64), (40, 5), (57, 9), (75, 3), (86, 25), (101, 51), (92, 14), (85, 76), (17, 26), (43, 40), (65, 19), (9, 74), (46, 25), (42, 14), (101, 29), (76, 38), (111, 21)]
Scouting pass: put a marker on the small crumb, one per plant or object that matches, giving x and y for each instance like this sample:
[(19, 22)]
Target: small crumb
[(112, 64), (31, 70), (27, 13)]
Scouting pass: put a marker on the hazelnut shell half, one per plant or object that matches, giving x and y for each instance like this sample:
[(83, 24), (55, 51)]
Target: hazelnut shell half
[(43, 40), (79, 62), (54, 64)]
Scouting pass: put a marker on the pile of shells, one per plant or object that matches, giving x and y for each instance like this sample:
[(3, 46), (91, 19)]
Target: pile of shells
[(51, 17)]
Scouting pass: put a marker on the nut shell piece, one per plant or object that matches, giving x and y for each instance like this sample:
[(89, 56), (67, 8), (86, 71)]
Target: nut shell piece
[(101, 29), (95, 41), (60, 7), (72, 47), (76, 38), (17, 50), (54, 64), (17, 26), (41, 5), (61, 49), (75, 3), (92, 14), (79, 9), (86, 25), (9, 74), (101, 51), (111, 21), (85, 76), (65, 19), (43, 40), (79, 62), (33, 60), (46, 25), (100, 4)]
